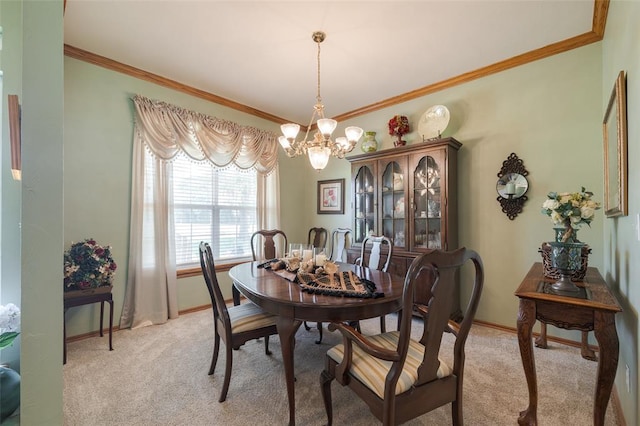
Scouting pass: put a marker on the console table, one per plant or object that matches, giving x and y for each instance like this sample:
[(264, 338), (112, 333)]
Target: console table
[(70, 302), (592, 309)]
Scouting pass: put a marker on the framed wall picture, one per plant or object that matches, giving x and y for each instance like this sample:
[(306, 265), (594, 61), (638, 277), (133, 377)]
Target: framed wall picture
[(331, 196), (614, 129)]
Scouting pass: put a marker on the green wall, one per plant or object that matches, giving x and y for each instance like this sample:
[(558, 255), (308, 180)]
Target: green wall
[(547, 112), (32, 228), (621, 242), (98, 126)]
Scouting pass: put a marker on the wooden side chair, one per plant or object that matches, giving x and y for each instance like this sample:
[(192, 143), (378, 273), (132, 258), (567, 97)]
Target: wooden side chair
[(234, 325), (376, 260), (339, 243), (398, 377), (268, 244), (265, 244), (317, 237)]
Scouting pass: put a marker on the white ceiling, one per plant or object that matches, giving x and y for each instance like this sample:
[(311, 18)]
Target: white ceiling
[(260, 53)]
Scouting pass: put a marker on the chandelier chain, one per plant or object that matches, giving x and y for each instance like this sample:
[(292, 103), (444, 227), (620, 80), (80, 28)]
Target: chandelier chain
[(318, 98)]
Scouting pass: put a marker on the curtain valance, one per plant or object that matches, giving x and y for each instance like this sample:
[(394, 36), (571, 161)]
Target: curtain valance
[(167, 130)]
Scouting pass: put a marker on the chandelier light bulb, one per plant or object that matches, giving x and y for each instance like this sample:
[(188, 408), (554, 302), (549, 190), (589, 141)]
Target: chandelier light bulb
[(353, 133), (343, 142), (327, 126), (319, 156), (290, 130), (284, 142)]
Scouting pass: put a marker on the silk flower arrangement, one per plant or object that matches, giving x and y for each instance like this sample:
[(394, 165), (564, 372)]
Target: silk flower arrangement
[(88, 265)]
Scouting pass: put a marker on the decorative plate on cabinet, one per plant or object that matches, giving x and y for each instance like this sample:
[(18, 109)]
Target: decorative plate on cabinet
[(433, 122)]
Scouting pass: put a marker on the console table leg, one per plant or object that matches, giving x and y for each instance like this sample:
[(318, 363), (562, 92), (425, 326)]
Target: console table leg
[(541, 341), (110, 324), (607, 337), (64, 337), (526, 320), (101, 317), (585, 351)]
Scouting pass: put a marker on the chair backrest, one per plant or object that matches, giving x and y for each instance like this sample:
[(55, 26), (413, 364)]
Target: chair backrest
[(210, 278), (432, 296), (268, 244), (339, 243), (318, 237), (374, 260)]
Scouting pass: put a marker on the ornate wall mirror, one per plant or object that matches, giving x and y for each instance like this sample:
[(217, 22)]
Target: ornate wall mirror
[(512, 186)]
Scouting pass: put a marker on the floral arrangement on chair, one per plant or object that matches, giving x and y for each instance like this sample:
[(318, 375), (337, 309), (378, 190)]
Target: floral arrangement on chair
[(399, 126), (9, 324), (88, 265), (570, 210)]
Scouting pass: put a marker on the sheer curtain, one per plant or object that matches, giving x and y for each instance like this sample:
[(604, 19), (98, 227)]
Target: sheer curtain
[(161, 132)]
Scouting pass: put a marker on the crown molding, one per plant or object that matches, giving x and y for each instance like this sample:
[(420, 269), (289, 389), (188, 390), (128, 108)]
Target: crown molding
[(600, 10)]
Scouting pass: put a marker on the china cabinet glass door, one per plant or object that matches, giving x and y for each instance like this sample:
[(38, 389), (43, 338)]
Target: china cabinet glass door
[(427, 195), (393, 203), (364, 208)]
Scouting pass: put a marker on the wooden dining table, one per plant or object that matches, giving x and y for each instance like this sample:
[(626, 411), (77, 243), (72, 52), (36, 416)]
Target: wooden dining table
[(292, 306)]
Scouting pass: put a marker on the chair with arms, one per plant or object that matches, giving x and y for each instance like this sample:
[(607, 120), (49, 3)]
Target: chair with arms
[(317, 237), (268, 244), (234, 325), (374, 260), (339, 243), (398, 377)]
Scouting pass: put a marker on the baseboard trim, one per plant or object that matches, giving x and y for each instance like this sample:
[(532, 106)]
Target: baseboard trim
[(513, 330)]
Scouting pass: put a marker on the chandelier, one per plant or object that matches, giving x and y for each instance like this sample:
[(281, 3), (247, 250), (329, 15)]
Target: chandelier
[(321, 147)]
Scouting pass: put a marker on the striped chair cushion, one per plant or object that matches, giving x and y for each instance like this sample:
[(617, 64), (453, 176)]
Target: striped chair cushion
[(373, 371), (249, 316)]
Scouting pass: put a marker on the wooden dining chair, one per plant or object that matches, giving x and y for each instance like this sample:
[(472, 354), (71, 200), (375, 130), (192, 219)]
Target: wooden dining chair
[(399, 377), (372, 257), (268, 244), (234, 325), (339, 243), (318, 238)]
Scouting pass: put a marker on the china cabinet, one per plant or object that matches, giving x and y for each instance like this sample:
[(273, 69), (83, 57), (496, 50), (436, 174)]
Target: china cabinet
[(407, 194)]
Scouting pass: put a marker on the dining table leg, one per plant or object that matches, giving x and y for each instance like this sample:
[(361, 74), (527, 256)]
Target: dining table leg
[(287, 328)]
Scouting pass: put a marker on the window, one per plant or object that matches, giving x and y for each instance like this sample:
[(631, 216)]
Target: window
[(214, 205)]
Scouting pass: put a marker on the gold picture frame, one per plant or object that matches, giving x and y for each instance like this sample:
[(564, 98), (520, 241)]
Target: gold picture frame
[(331, 196), (614, 129)]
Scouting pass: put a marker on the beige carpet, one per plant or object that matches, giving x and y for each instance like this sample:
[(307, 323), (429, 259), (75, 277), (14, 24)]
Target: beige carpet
[(158, 376)]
